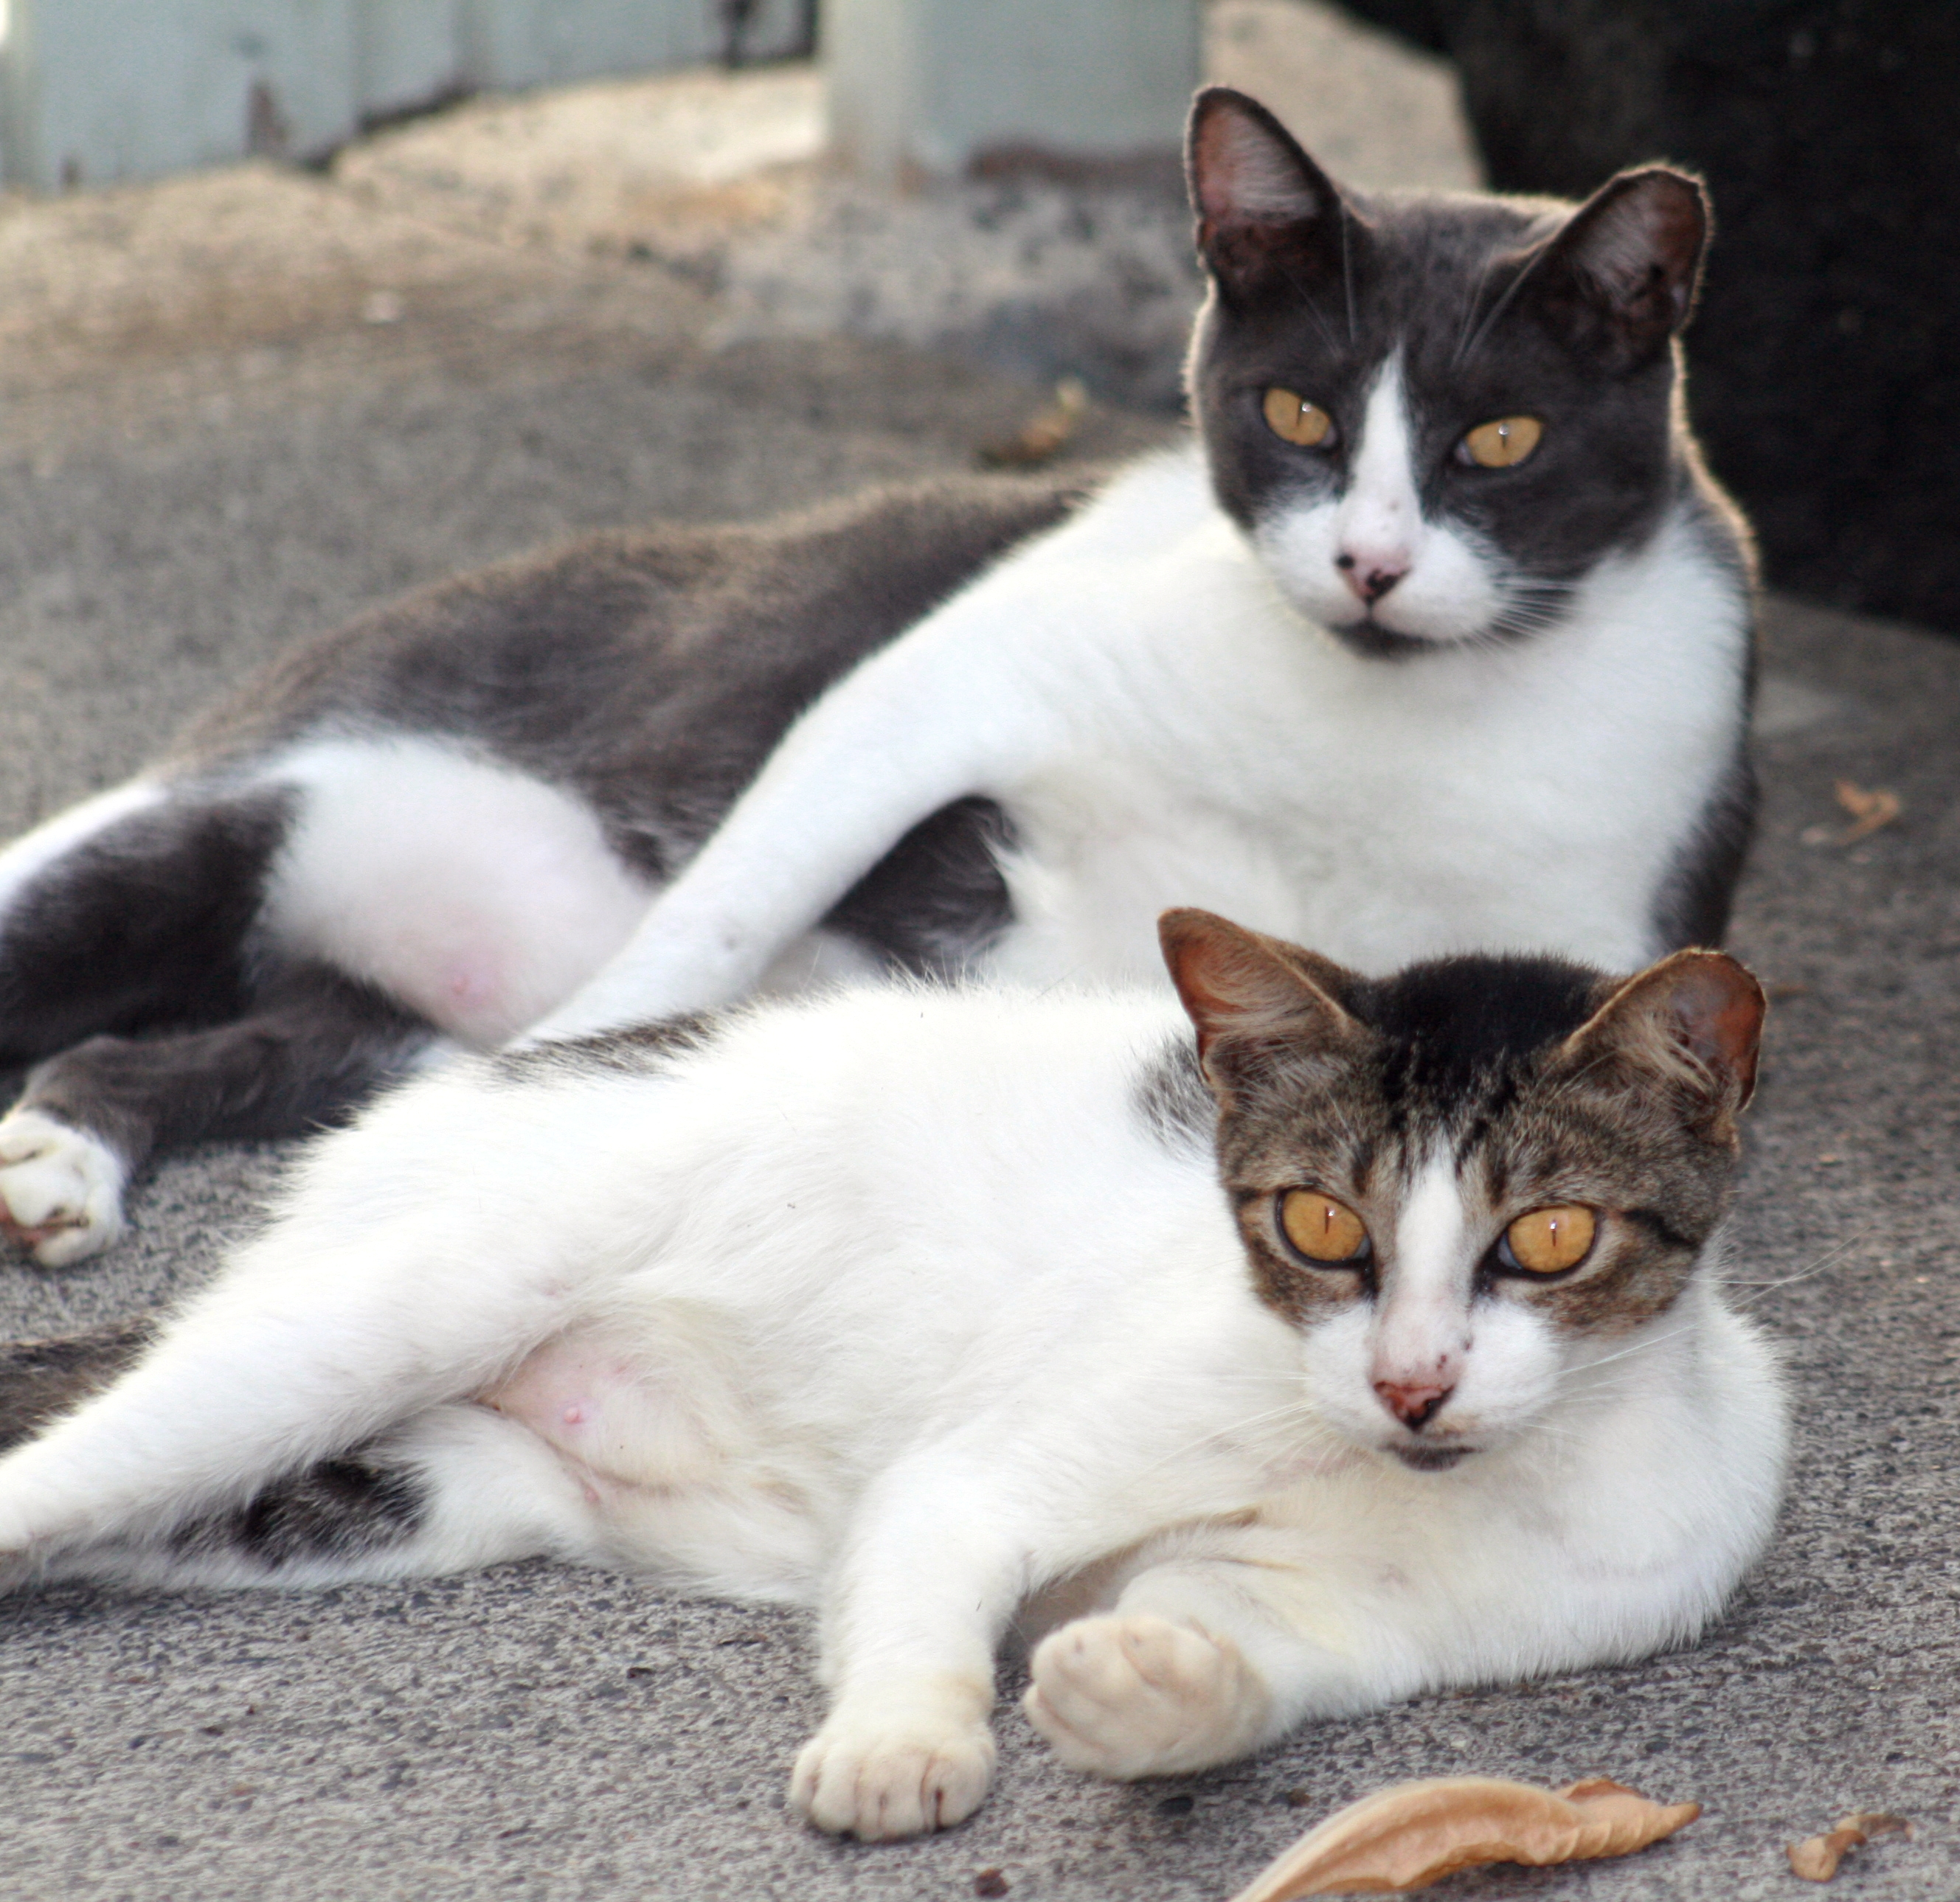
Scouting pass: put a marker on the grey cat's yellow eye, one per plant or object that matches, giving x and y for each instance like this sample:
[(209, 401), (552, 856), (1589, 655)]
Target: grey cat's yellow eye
[(1322, 1229), (1503, 443), (1291, 418), (1549, 1241)]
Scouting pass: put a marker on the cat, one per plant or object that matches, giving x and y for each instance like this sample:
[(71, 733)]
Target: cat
[(1342, 1338), (1436, 638)]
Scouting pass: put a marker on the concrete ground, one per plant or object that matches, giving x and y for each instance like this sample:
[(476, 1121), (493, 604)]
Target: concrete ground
[(237, 408)]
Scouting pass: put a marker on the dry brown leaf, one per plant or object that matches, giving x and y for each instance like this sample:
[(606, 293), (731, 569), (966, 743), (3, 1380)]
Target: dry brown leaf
[(1869, 810), (1816, 1859), (1412, 1834), (1046, 433)]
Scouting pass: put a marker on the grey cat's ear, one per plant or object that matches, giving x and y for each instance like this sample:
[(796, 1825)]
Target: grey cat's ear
[(1621, 275), (1255, 1000), (1695, 1020), (1258, 196)]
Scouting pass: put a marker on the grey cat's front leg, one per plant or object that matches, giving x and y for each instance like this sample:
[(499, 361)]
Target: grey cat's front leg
[(943, 714)]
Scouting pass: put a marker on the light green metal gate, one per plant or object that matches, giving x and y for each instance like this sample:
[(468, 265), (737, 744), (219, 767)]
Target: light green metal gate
[(92, 90)]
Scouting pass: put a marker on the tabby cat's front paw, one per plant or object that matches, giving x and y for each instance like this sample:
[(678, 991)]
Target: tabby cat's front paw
[(1142, 1697), (61, 1190), (878, 1775)]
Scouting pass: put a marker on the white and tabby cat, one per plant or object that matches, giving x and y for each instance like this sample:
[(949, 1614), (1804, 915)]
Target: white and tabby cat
[(1368, 1340), (1437, 639)]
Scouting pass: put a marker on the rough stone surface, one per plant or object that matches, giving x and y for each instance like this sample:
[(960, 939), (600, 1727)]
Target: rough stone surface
[(213, 440), (1825, 383)]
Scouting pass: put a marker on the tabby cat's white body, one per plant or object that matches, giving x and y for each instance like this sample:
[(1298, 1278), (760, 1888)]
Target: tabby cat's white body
[(904, 1304)]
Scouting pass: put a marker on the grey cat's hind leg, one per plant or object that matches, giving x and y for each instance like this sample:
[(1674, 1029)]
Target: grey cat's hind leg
[(309, 1046), (129, 975), (132, 910)]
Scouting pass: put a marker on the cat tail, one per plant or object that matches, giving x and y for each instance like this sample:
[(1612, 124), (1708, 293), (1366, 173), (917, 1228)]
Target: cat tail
[(457, 1487), (388, 1288)]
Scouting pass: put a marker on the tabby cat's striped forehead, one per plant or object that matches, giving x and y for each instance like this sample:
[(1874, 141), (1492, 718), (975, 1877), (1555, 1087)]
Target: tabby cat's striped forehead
[(1458, 1031), (1461, 1056)]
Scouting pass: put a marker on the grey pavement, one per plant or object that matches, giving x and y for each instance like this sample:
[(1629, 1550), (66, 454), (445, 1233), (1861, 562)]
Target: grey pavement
[(235, 410)]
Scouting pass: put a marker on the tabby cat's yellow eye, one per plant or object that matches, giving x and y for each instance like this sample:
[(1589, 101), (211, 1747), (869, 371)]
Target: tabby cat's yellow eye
[(1291, 418), (1503, 443), (1550, 1240), (1322, 1229)]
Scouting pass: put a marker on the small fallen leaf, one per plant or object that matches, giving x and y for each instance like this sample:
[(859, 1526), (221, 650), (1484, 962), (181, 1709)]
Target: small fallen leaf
[(1868, 810), (1409, 1835), (1046, 433), (1816, 1859)]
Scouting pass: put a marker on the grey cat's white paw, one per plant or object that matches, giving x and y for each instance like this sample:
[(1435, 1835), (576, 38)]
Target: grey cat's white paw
[(878, 1775), (61, 1190), (1143, 1696)]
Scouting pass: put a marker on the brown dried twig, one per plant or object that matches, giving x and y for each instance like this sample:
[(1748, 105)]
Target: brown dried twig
[(1869, 810), (1046, 433), (1816, 1858)]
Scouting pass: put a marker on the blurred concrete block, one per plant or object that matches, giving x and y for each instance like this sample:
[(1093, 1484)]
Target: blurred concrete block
[(510, 43), (943, 88), (406, 53), (92, 90)]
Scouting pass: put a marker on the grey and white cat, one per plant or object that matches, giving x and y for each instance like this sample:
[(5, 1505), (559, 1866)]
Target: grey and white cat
[(1437, 638), (1370, 1340)]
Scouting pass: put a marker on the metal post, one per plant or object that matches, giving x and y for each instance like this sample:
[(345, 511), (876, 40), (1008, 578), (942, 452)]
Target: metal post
[(921, 89)]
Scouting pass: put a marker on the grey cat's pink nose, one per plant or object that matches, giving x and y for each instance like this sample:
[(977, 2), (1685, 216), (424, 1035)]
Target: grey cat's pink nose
[(1369, 579), (1411, 1405)]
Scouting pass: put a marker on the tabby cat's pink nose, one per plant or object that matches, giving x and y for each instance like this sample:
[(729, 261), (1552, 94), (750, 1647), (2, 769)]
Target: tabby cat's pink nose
[(1411, 1405)]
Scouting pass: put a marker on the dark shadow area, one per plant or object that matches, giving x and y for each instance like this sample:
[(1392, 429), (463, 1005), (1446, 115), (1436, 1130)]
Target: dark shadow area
[(1826, 355)]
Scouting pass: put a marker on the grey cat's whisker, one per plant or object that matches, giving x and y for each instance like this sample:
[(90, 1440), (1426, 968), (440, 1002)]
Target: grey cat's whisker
[(1347, 267), (1472, 304), (1309, 305), (1504, 300)]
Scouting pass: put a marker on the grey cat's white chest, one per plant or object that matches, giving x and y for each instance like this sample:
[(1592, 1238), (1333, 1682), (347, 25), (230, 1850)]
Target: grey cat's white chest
[(1533, 795)]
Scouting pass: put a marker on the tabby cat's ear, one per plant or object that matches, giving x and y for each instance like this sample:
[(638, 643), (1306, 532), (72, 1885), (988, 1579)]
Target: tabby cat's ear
[(1619, 277), (1265, 210), (1694, 1021), (1258, 1002)]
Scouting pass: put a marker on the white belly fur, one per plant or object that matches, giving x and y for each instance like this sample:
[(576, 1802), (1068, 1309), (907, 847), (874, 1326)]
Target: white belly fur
[(479, 896)]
